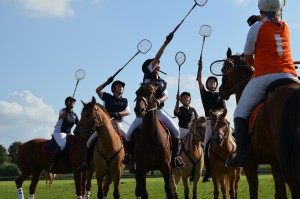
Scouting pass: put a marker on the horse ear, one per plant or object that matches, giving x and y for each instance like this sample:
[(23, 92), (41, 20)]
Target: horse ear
[(94, 100), (229, 53), (83, 103), (224, 112)]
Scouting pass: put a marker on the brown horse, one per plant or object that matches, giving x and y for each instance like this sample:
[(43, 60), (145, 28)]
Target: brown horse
[(191, 153), (32, 162), (152, 147), (221, 146), (109, 150), (275, 136)]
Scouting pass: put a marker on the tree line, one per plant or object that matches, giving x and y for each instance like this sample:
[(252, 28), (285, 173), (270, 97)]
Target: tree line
[(9, 160)]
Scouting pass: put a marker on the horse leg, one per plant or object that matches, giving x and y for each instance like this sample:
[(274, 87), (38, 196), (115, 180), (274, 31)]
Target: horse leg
[(106, 182), (89, 175), (185, 187), (34, 181), (196, 181), (78, 181), (19, 182), (216, 185), (170, 186), (280, 188), (251, 174), (99, 182), (140, 188), (222, 181)]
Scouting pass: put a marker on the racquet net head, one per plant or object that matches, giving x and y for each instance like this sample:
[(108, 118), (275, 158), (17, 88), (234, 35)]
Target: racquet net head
[(144, 46), (205, 30), (221, 67), (79, 74), (200, 2), (180, 58)]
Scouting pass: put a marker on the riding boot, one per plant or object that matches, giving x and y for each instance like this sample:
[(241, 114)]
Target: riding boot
[(127, 158), (176, 160), (207, 169), (241, 133), (88, 158), (54, 159)]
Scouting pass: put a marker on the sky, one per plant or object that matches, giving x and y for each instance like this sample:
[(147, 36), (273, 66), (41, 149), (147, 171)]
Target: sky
[(44, 42)]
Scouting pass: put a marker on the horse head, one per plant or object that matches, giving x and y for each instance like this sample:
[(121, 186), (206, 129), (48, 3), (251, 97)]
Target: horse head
[(220, 126), (197, 127), (90, 120), (236, 79), (145, 99)]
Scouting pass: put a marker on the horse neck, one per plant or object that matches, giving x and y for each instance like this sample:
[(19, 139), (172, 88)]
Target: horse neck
[(193, 143), (150, 123), (106, 132)]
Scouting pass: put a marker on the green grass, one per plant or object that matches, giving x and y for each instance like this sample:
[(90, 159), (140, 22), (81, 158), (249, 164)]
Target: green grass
[(66, 189)]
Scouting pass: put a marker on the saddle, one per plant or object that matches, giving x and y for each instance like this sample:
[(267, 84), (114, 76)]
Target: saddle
[(270, 89), (50, 145)]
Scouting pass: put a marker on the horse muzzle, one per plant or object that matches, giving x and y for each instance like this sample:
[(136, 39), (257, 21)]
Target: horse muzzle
[(140, 112), (219, 139)]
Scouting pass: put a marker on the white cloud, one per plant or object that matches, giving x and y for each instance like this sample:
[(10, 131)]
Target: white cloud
[(25, 117), (56, 8), (241, 2)]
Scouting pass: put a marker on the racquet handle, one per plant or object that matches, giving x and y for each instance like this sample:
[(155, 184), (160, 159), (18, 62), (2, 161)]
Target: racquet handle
[(296, 62)]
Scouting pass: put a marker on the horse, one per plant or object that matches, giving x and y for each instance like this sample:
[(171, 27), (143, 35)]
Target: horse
[(152, 146), (109, 150), (49, 177), (275, 135), (191, 153), (32, 161), (221, 146)]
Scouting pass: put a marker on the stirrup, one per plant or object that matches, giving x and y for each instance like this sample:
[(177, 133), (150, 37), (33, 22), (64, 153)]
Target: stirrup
[(178, 162), (82, 168)]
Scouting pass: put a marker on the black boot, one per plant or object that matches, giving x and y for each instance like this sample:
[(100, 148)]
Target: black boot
[(241, 134), (127, 158), (54, 159), (176, 160), (207, 169), (88, 158)]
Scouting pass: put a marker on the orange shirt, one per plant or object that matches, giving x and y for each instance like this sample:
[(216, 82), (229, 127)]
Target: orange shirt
[(272, 50)]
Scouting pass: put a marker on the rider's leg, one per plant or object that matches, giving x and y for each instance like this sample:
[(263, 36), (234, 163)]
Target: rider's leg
[(208, 134), (90, 145), (60, 139), (167, 120), (55, 157)]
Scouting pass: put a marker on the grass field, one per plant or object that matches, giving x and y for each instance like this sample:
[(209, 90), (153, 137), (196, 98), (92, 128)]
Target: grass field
[(65, 189)]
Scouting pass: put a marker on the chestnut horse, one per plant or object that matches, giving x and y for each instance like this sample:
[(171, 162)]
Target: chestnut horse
[(152, 147), (275, 136), (191, 153), (32, 162), (109, 151), (221, 146)]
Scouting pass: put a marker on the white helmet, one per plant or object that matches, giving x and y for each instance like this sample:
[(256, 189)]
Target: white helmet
[(269, 5)]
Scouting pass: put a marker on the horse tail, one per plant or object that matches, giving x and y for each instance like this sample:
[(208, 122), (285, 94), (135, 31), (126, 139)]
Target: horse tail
[(289, 139)]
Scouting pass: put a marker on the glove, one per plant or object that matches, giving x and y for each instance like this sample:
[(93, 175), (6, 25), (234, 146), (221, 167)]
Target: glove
[(109, 80), (158, 102), (169, 38), (115, 114), (252, 19)]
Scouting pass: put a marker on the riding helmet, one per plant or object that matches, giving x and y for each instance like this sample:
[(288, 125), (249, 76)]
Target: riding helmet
[(69, 99), (116, 83), (269, 5)]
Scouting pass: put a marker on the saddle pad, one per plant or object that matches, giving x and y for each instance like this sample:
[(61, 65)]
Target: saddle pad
[(254, 115), (50, 145)]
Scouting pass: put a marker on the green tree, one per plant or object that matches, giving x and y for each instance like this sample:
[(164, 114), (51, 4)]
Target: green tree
[(3, 155), (9, 169), (13, 152)]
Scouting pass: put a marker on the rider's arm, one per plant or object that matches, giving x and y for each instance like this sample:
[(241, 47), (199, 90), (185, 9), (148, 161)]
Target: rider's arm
[(176, 109), (199, 75), (102, 86)]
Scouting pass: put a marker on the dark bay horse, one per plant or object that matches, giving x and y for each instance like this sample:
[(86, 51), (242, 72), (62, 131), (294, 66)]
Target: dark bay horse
[(221, 146), (152, 147), (109, 151), (32, 162), (275, 136), (191, 153)]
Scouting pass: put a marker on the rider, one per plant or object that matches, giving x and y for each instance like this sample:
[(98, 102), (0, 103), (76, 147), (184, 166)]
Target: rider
[(66, 120), (117, 106), (151, 69), (269, 41), (184, 113), (211, 100)]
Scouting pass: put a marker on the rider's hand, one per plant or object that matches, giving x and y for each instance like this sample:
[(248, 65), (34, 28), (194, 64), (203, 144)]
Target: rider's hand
[(253, 19), (109, 80), (158, 102), (177, 98), (169, 38), (200, 65), (115, 114)]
